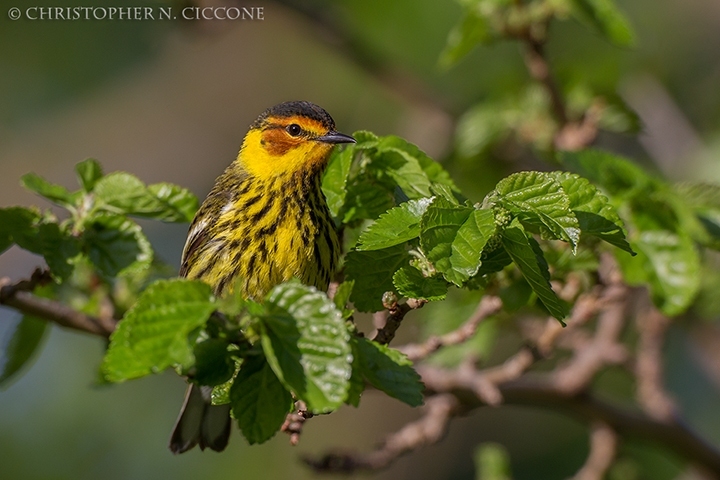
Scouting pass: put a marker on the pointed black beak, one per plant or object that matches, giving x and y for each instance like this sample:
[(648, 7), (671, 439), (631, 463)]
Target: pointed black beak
[(335, 137)]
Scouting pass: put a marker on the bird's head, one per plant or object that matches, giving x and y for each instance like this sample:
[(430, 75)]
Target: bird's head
[(290, 138)]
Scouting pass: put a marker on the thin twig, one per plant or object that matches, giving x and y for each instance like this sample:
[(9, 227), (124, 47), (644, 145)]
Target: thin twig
[(651, 395), (295, 421), (604, 348), (488, 306), (486, 383), (427, 430), (571, 135), (396, 312), (576, 135), (483, 383), (603, 447), (584, 309), (539, 69), (18, 296), (543, 392)]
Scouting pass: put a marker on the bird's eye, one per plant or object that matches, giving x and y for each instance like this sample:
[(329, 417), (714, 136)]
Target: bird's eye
[(294, 129)]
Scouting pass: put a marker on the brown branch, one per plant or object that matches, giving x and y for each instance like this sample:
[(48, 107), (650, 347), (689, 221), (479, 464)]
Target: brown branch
[(584, 309), (484, 384), (603, 349), (577, 135), (543, 392), (453, 392), (539, 69), (603, 448), (396, 312), (571, 135), (295, 421), (428, 429), (18, 296), (488, 306), (652, 325)]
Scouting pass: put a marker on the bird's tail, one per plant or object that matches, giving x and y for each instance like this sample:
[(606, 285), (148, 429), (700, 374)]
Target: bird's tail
[(201, 423)]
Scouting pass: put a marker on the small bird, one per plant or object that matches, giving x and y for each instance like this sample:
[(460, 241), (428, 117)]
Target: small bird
[(264, 222)]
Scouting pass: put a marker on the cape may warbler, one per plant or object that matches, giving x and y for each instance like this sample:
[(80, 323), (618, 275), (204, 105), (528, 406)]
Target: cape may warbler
[(264, 222)]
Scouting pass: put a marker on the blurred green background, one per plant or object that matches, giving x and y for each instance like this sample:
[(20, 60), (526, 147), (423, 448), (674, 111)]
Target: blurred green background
[(171, 101)]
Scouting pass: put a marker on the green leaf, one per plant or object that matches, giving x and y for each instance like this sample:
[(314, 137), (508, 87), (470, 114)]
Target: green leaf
[(397, 225), (670, 263), (453, 238), (440, 225), (260, 402), (175, 204), (22, 346), (479, 128), (88, 172), (221, 393), (406, 172), (305, 340), (534, 269), (389, 371), (153, 335), (121, 192), (618, 116), (700, 196), (411, 283), (213, 364), (605, 16), (432, 169), (373, 272), (365, 140), (492, 462), (366, 200), (53, 192), (703, 200), (59, 248), (473, 29), (595, 215), (115, 243), (19, 225), (342, 297), (494, 261), (538, 200), (43, 236), (357, 383), (516, 295), (618, 176), (334, 180)]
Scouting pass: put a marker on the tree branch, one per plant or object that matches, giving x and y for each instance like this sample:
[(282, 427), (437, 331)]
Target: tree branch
[(603, 447), (652, 325), (488, 306), (604, 348), (571, 135), (539, 70), (429, 429), (543, 392), (295, 421), (18, 296), (397, 312)]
